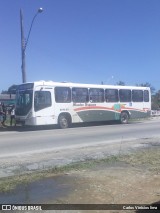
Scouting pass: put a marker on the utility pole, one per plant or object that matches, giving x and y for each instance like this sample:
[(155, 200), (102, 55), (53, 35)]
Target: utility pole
[(24, 42), (23, 66)]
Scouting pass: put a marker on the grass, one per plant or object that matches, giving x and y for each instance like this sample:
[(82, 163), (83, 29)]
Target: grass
[(148, 157)]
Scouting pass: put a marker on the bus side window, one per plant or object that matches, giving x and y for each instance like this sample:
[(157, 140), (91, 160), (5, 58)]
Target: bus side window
[(96, 95), (79, 95), (111, 95), (137, 95), (42, 99), (73, 95), (125, 95), (62, 94)]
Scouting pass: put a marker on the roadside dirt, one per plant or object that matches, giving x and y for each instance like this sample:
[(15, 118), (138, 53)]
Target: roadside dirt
[(133, 179)]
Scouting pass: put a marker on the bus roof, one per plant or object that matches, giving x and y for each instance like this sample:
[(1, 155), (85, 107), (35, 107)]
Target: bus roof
[(69, 84)]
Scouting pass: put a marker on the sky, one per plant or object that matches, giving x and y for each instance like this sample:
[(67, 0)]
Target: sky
[(81, 41)]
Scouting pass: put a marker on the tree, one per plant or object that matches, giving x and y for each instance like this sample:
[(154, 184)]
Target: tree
[(4, 92), (156, 101), (102, 83), (12, 89), (120, 83), (147, 84)]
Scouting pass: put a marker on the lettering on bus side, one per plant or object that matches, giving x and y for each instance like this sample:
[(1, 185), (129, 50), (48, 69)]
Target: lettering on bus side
[(77, 104), (86, 104), (64, 109)]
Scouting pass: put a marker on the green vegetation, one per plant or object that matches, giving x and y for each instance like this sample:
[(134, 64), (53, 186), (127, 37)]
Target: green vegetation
[(147, 157)]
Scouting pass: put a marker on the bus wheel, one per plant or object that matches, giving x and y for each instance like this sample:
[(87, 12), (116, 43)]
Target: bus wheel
[(63, 122), (124, 118)]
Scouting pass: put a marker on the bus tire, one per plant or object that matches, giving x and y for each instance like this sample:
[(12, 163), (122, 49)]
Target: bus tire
[(64, 121), (124, 117)]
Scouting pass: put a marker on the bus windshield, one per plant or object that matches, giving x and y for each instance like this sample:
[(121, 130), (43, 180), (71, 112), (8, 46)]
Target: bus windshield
[(23, 101)]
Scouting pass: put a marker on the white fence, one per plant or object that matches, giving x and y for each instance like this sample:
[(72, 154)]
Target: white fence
[(155, 112)]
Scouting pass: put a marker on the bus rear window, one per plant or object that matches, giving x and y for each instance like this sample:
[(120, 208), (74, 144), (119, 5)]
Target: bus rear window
[(146, 96)]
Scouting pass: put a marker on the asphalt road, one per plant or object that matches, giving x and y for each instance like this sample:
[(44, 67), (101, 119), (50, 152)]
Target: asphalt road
[(13, 143), (23, 150)]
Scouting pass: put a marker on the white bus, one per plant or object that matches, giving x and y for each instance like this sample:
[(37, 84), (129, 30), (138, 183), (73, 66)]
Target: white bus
[(47, 102)]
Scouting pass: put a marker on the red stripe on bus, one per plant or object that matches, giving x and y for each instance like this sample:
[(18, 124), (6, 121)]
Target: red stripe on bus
[(92, 107), (107, 108)]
